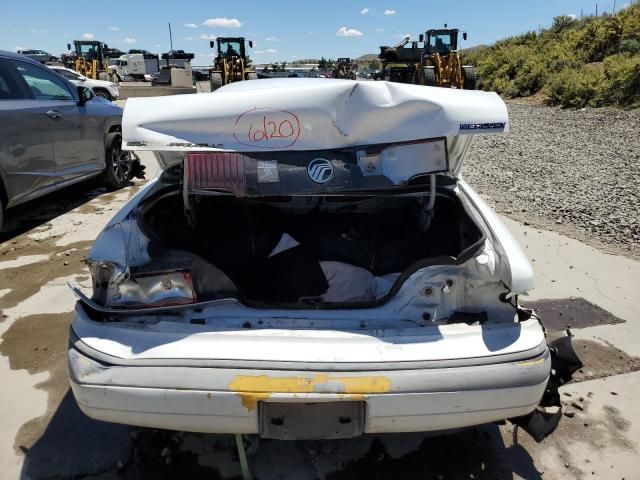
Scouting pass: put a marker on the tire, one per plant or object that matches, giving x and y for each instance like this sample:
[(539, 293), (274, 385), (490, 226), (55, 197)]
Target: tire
[(469, 79), (216, 81), (118, 163), (252, 76), (99, 92), (429, 76)]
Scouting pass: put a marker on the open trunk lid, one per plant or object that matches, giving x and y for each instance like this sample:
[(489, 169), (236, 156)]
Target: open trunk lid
[(265, 119)]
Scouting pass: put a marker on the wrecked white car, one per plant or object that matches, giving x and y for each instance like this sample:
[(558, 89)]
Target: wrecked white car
[(309, 264)]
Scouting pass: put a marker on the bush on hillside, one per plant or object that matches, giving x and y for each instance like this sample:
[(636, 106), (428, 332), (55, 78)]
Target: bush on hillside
[(575, 87), (622, 80), (592, 61)]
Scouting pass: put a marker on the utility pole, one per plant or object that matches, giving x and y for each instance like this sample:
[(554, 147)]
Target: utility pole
[(596, 9), (170, 43), (614, 7)]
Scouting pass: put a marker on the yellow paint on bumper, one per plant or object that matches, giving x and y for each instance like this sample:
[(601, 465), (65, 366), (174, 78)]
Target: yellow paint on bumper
[(254, 388)]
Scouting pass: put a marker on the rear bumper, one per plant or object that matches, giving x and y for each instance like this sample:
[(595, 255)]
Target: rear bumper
[(225, 400)]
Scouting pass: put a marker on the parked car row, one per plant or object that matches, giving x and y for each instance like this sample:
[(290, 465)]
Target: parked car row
[(54, 133)]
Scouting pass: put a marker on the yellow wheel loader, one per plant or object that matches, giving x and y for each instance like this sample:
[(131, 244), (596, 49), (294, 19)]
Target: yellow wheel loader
[(90, 60), (231, 63), (441, 66)]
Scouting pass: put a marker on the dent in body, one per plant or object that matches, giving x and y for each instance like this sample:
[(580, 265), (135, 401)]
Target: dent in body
[(119, 246)]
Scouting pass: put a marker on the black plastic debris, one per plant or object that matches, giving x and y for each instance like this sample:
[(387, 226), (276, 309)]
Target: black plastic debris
[(545, 418), (137, 169)]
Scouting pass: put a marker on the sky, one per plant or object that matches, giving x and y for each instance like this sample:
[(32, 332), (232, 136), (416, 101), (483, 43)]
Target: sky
[(282, 30)]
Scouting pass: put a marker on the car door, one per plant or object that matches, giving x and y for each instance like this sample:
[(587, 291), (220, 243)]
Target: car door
[(77, 136), (27, 167)]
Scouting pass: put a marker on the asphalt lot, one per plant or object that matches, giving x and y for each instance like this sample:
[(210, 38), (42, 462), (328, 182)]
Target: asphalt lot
[(44, 435)]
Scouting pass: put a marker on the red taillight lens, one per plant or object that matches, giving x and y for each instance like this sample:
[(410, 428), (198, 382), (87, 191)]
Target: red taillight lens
[(216, 170)]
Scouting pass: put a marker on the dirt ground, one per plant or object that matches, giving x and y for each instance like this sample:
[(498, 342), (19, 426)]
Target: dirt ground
[(45, 435)]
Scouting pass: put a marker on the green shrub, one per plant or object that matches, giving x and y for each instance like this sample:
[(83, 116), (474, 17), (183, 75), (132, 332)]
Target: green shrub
[(576, 87), (592, 61), (621, 80)]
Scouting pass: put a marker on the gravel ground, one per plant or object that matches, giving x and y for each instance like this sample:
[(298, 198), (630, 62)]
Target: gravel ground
[(573, 171)]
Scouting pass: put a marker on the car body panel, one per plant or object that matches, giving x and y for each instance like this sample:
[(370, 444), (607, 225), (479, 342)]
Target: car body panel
[(26, 159), (362, 336), (227, 400), (310, 114), (515, 270)]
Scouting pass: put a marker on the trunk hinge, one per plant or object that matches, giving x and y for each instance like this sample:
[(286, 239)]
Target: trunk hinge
[(189, 210)]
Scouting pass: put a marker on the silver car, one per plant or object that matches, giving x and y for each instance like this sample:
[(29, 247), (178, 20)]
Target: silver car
[(53, 134), (38, 55)]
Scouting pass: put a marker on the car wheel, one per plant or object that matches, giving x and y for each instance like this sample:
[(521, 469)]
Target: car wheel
[(102, 94), (118, 169)]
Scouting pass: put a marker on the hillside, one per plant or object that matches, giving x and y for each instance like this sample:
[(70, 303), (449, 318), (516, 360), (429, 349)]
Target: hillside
[(594, 61)]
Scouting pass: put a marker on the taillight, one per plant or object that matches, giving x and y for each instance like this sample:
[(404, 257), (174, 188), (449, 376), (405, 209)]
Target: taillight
[(216, 170), (154, 290)]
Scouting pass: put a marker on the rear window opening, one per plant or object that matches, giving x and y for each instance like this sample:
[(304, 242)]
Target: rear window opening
[(305, 251)]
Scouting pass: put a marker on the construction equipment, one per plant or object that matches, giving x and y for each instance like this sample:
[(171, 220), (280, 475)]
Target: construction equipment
[(401, 63), (345, 68), (441, 65), (90, 60), (230, 65)]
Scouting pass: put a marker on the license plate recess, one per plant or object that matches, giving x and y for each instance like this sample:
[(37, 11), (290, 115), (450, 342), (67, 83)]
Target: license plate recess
[(311, 421)]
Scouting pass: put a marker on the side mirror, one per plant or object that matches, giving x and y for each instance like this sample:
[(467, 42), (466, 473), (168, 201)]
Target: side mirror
[(421, 37), (68, 46), (84, 95), (212, 44), (250, 43), (464, 35), (106, 46), (82, 79)]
